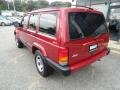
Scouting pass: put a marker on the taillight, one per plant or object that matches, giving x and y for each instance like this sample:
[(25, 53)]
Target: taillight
[(63, 56)]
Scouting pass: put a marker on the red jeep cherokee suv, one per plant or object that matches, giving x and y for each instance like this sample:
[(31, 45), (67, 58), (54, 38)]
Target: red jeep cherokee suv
[(63, 39)]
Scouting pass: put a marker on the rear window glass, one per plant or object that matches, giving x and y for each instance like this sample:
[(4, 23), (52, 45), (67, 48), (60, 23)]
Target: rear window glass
[(83, 24)]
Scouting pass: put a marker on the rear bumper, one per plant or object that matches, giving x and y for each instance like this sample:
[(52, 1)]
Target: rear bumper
[(89, 60), (63, 70), (66, 70)]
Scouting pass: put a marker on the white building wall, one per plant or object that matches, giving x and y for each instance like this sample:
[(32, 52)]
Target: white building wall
[(101, 7)]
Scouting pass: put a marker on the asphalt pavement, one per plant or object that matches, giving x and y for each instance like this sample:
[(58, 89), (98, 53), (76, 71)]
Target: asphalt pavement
[(18, 71)]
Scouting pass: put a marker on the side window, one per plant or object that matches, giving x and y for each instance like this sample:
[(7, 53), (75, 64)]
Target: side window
[(48, 23), (25, 21), (32, 22)]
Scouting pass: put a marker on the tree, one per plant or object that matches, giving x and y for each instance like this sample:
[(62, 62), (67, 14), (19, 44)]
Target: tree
[(42, 4), (31, 5), (56, 4), (60, 4), (67, 4), (25, 5), (18, 5), (3, 5)]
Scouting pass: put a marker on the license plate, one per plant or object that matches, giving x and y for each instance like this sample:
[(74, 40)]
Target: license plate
[(93, 47)]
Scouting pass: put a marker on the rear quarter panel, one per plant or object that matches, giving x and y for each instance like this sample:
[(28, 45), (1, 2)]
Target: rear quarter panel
[(49, 45)]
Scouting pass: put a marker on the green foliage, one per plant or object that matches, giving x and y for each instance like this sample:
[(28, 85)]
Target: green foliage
[(28, 5), (24, 5), (60, 4), (3, 5), (42, 4), (37, 4)]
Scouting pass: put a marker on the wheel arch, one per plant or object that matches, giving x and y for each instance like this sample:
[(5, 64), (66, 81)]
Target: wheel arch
[(37, 46), (3, 22)]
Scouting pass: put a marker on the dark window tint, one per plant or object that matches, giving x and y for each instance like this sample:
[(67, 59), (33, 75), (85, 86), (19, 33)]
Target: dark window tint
[(83, 24), (25, 21), (48, 23), (32, 22)]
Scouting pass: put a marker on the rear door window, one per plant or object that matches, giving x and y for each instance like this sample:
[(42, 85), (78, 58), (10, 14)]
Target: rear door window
[(84, 24), (48, 23)]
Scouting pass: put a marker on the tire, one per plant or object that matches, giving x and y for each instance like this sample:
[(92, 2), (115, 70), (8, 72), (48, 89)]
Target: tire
[(41, 64), (3, 24), (19, 43)]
